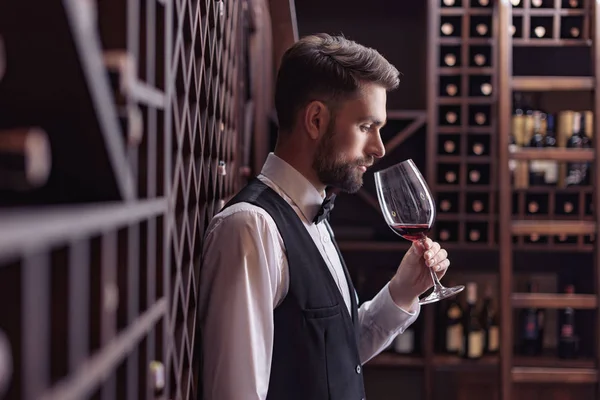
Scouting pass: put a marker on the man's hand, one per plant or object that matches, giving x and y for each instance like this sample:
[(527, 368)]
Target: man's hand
[(413, 277)]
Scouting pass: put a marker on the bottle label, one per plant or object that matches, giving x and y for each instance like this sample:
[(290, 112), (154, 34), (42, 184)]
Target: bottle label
[(404, 342), (475, 344), (494, 339), (454, 337), (566, 331), (551, 172), (531, 328)]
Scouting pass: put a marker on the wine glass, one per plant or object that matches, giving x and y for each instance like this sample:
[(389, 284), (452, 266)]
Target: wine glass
[(409, 209)]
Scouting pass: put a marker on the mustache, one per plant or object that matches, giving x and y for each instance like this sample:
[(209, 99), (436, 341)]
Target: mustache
[(366, 161)]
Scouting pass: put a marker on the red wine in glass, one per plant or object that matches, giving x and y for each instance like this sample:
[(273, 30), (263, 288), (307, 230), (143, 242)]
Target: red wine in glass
[(412, 232)]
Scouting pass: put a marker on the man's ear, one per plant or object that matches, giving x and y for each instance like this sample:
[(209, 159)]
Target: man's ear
[(316, 119)]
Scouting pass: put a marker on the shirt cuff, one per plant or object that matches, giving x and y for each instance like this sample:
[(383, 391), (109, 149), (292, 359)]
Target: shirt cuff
[(388, 316)]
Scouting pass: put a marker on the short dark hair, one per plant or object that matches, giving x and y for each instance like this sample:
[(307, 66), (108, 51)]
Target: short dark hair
[(329, 69)]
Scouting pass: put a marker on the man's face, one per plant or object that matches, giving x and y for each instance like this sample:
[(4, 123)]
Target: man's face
[(352, 141)]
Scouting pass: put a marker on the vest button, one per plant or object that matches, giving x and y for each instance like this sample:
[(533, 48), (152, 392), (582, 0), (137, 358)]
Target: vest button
[(358, 369)]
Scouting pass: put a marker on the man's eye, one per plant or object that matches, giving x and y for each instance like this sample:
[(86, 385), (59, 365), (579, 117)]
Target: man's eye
[(365, 128)]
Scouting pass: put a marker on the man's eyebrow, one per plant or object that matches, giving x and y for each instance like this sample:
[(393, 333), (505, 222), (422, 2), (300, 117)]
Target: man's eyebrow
[(376, 121)]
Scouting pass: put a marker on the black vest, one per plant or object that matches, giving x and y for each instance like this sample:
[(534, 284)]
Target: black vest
[(315, 350)]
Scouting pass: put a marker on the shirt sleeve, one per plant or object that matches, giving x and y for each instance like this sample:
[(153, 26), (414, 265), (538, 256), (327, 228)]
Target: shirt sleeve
[(239, 285), (381, 320)]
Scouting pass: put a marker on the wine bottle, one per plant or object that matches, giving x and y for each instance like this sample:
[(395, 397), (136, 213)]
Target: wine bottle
[(541, 27), (449, 56), (489, 321), (25, 159), (532, 327), (480, 56), (550, 167), (472, 347), (449, 146), (522, 124), (536, 167), (121, 72), (577, 171), (448, 202), (454, 328), (132, 123), (480, 26), (448, 29), (568, 340)]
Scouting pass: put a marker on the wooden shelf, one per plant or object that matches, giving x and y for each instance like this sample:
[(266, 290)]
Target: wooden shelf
[(554, 375), (549, 300), (524, 42), (548, 12), (553, 154), (392, 360), (552, 83), (550, 227), (548, 359), (452, 362), (439, 361)]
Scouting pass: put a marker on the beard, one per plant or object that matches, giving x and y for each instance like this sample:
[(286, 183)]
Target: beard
[(333, 170)]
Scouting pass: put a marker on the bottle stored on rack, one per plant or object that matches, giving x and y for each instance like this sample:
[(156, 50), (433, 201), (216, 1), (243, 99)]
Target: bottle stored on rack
[(536, 167), (577, 171), (522, 130), (532, 327), (550, 167), (472, 345), (568, 341), (453, 327), (489, 321), (25, 159)]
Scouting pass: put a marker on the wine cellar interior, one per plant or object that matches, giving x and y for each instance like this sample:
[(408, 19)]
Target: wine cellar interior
[(126, 125)]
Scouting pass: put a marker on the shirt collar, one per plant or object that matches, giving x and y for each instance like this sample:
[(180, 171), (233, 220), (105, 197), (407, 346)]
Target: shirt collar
[(294, 185)]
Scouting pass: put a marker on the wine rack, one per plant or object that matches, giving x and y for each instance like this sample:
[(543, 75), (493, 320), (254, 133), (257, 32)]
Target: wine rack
[(122, 126), (550, 23), (462, 122), (546, 215)]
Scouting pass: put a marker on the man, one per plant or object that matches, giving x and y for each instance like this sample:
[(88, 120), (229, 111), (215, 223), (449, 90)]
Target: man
[(278, 312)]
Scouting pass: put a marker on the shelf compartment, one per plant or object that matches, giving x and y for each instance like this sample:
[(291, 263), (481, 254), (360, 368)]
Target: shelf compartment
[(557, 154), (551, 300), (554, 375), (70, 97), (550, 227), (552, 83)]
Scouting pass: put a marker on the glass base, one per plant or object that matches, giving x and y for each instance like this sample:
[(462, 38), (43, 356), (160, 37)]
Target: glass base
[(440, 293)]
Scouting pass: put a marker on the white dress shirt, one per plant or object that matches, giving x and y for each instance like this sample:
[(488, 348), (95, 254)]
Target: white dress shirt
[(244, 277)]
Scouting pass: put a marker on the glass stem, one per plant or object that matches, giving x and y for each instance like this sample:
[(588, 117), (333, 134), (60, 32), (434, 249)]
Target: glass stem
[(436, 282)]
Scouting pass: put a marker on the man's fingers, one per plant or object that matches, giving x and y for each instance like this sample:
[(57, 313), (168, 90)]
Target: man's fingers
[(441, 268), (432, 252)]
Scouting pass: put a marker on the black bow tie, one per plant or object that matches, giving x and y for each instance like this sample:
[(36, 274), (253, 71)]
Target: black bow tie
[(325, 209)]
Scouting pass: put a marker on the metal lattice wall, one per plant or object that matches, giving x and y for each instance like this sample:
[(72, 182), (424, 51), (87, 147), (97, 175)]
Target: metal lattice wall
[(138, 109)]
